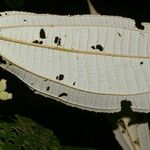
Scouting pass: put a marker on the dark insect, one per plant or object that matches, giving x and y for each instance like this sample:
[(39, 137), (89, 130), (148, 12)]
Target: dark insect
[(24, 20), (2, 61), (57, 41), (42, 34), (99, 47), (74, 83), (63, 94)]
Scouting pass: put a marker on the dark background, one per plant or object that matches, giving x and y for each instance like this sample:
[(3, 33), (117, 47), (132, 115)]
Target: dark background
[(72, 126)]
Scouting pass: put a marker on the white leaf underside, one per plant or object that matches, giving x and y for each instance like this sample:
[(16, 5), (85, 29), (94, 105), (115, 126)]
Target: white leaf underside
[(93, 79), (134, 137)]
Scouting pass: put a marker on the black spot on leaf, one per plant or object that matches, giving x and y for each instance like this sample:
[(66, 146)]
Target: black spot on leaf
[(62, 94), (99, 47), (141, 63), (42, 34), (93, 47), (57, 41), (24, 20), (48, 88), (41, 42), (36, 41), (119, 34), (60, 77), (74, 83)]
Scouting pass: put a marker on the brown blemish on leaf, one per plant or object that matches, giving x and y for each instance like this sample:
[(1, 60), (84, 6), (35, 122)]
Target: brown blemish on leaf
[(121, 123), (137, 142)]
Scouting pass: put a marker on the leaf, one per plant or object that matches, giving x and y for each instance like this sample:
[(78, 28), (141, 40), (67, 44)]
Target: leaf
[(134, 136), (106, 56)]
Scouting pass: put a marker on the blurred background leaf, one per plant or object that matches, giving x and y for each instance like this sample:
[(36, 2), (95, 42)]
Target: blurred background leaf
[(14, 3)]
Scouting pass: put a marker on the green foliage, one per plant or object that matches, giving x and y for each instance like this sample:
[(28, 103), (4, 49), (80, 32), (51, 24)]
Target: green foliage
[(76, 148), (22, 133), (14, 3)]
